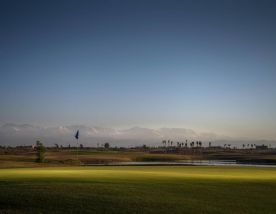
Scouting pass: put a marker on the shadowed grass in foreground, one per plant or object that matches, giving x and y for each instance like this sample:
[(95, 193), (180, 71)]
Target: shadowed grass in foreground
[(138, 190)]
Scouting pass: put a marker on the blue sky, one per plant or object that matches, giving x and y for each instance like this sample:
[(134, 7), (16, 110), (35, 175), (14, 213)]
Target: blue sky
[(205, 65)]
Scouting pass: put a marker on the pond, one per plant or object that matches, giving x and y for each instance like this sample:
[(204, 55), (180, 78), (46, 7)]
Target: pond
[(184, 163)]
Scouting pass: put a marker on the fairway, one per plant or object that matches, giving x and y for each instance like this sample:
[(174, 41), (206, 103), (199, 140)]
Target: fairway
[(138, 189)]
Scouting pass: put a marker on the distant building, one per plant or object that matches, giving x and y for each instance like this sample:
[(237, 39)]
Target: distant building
[(261, 147)]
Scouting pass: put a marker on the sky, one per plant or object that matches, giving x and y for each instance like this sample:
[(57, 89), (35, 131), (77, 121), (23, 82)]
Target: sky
[(209, 66)]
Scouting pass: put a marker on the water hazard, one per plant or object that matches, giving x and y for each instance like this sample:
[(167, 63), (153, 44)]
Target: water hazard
[(184, 163)]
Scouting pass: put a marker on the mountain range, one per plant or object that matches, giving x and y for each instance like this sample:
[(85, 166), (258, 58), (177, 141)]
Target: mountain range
[(25, 134)]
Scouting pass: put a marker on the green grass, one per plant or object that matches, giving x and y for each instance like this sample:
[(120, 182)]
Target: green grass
[(138, 189)]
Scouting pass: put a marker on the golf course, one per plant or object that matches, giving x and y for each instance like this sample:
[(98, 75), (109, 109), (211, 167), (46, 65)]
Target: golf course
[(138, 189)]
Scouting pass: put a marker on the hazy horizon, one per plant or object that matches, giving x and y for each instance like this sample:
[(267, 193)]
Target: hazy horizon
[(93, 136), (208, 66)]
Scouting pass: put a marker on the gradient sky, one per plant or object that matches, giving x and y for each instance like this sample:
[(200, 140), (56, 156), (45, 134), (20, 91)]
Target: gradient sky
[(205, 65)]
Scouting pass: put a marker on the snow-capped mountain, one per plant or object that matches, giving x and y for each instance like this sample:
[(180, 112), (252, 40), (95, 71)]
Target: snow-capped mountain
[(26, 134)]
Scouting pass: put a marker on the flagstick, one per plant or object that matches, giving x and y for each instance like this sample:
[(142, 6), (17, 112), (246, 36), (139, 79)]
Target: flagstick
[(77, 138), (78, 150)]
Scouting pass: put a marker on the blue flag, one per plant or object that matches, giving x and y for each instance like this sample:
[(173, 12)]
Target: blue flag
[(77, 135)]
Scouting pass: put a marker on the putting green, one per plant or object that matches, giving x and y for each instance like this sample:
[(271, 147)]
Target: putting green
[(138, 189)]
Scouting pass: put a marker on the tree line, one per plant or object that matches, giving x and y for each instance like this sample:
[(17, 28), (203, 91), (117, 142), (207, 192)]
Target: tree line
[(186, 144)]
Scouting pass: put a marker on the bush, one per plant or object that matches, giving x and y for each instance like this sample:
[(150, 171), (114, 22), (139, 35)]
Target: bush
[(40, 152)]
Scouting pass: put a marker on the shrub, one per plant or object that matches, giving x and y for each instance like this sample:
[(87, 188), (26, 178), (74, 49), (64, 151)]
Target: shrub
[(40, 152)]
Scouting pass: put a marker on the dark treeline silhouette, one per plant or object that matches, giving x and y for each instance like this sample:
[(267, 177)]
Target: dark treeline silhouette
[(165, 145)]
